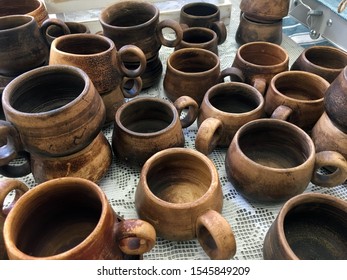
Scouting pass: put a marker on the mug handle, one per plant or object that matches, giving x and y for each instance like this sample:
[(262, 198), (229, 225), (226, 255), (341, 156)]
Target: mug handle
[(282, 112), (53, 21), (215, 236), (208, 135), (135, 236), (234, 73), (134, 90), (193, 108), (260, 84), (6, 186), (331, 159), (133, 51), (175, 26), (220, 29)]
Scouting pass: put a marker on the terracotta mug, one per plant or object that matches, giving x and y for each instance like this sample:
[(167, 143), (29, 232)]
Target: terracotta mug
[(179, 193), (325, 61), (270, 161), (309, 226), (201, 14), (35, 8), (259, 62), (265, 10), (192, 71), (146, 125), (71, 219), (51, 110), (25, 48), (54, 31), (225, 108), (296, 96), (7, 187)]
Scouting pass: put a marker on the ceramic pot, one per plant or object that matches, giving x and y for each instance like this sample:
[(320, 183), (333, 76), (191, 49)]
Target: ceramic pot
[(265, 10)]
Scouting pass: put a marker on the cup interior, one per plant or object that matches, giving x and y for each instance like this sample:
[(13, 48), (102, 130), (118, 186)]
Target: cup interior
[(327, 57), (198, 36), (200, 9), (264, 54), (179, 178), (316, 231), (18, 7), (13, 21)]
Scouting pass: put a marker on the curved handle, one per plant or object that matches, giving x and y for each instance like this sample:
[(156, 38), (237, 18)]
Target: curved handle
[(193, 108), (208, 135), (175, 26), (234, 73), (260, 84), (282, 112), (221, 31), (131, 87), (132, 50), (135, 236), (331, 159), (53, 21), (215, 236)]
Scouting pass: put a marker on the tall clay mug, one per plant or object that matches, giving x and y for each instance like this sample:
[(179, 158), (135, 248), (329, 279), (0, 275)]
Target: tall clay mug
[(272, 160), (146, 125), (224, 109), (179, 193), (71, 219)]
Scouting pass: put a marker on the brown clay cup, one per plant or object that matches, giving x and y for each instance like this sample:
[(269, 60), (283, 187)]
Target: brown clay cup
[(201, 14), (265, 10), (54, 31), (224, 109), (259, 62), (325, 61), (192, 71), (7, 187), (297, 97), (270, 161), (309, 226), (71, 219), (335, 101), (179, 193), (146, 125)]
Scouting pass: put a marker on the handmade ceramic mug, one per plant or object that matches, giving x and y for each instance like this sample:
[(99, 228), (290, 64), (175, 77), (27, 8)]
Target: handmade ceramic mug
[(325, 61), (71, 219), (54, 31), (297, 97), (309, 226), (265, 10), (192, 71), (179, 193), (272, 160), (146, 125), (259, 62), (202, 14), (224, 109)]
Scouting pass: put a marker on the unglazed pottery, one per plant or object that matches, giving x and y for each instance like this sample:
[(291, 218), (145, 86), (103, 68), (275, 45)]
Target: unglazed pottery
[(55, 31), (146, 125), (224, 109), (270, 161), (71, 219), (179, 193), (265, 10), (309, 226)]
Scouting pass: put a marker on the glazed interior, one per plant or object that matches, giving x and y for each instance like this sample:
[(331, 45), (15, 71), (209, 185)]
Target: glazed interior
[(82, 45), (327, 57), (56, 221), (317, 231), (262, 54), (192, 61), (275, 145), (179, 178)]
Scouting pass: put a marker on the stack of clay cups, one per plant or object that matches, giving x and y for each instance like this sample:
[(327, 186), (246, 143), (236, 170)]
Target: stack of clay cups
[(261, 21)]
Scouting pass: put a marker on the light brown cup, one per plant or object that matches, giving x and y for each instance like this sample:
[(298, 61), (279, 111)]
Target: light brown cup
[(224, 109), (146, 125), (179, 193), (309, 226), (265, 10), (297, 97), (270, 161), (71, 219)]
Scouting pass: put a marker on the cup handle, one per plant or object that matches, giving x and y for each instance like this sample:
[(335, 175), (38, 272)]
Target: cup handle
[(234, 73), (260, 84), (193, 108), (135, 236), (331, 159), (175, 26), (221, 31), (208, 135), (134, 90), (215, 236), (134, 51), (53, 21), (282, 112)]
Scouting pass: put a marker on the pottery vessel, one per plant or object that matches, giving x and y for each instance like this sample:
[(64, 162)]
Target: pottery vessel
[(54, 31), (265, 10)]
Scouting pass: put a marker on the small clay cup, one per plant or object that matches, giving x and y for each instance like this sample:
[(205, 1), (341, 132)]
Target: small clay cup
[(265, 10), (325, 61), (309, 226), (259, 62), (146, 125), (224, 109), (179, 193), (297, 97), (71, 219), (54, 31), (192, 71), (201, 14), (270, 161), (335, 101)]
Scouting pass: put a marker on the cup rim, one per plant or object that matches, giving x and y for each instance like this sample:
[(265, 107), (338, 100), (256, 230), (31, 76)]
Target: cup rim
[(200, 4), (29, 21)]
